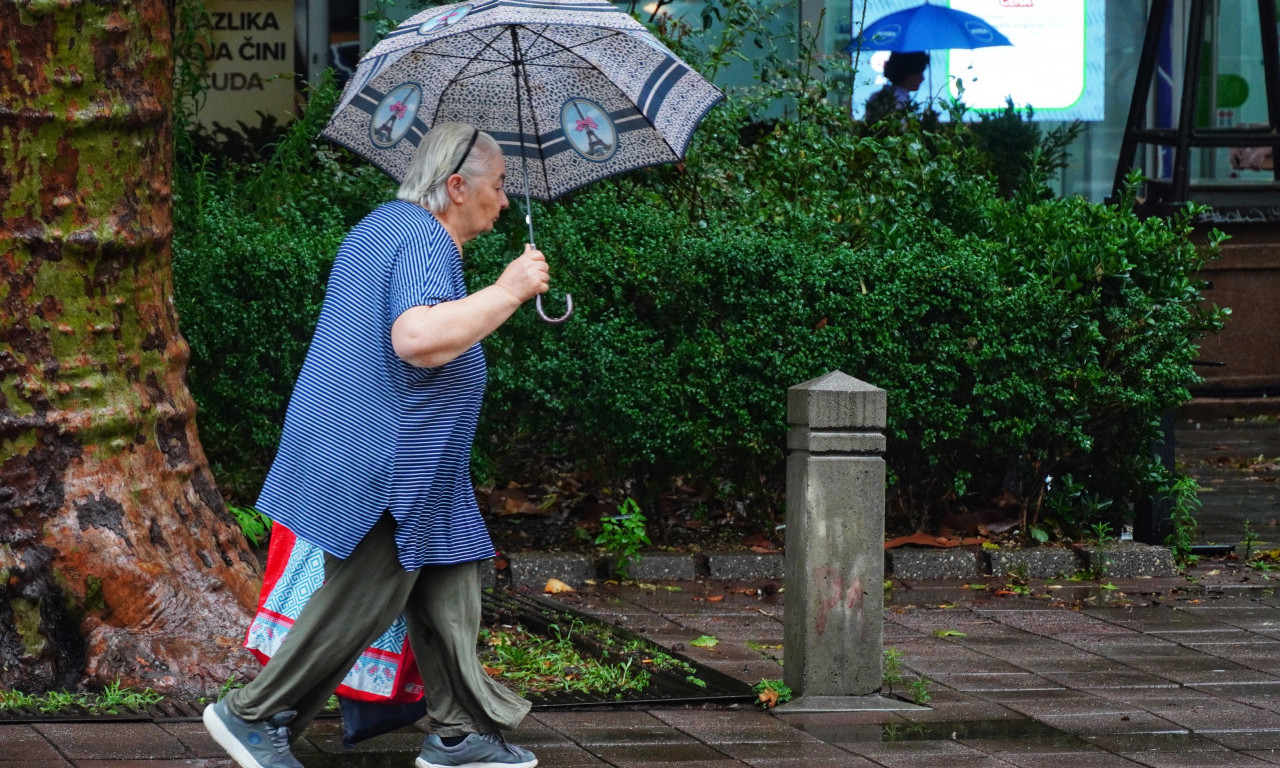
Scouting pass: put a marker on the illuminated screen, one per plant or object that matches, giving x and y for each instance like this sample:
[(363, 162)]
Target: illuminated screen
[(1055, 62)]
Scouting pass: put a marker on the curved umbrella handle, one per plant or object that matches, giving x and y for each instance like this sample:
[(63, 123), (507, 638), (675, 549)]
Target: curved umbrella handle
[(568, 300)]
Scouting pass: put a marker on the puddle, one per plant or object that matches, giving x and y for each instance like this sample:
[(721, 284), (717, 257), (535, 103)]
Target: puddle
[(1030, 730)]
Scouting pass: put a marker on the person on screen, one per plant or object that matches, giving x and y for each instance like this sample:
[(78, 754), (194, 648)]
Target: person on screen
[(905, 72)]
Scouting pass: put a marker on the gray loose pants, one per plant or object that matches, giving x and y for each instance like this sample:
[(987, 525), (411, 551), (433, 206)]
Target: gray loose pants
[(360, 598)]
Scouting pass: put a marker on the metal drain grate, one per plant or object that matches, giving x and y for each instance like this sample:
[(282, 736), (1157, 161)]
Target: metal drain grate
[(535, 614)]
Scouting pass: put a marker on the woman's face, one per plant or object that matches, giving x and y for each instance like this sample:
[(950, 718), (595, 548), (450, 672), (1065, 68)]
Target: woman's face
[(485, 200), (913, 81)]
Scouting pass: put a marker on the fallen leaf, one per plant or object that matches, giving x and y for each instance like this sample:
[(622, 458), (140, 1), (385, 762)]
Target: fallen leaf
[(705, 641), (493, 671), (714, 598), (949, 633), (769, 698), (556, 586), (920, 538)]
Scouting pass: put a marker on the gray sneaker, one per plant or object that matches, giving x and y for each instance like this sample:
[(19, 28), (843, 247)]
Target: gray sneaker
[(260, 744), (478, 750)]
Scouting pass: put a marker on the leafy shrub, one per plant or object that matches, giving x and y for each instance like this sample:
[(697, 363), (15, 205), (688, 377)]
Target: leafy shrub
[(252, 249), (1028, 345)]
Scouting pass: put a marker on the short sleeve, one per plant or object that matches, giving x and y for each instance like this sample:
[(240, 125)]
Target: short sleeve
[(423, 274)]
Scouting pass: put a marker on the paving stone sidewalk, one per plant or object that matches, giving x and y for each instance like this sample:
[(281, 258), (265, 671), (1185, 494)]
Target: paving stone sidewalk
[(1155, 672)]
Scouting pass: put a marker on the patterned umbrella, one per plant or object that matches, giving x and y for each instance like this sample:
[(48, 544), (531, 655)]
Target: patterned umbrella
[(927, 27), (573, 90)]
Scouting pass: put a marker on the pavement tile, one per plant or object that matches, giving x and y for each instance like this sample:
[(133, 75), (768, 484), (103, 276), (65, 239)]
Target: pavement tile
[(600, 736), (577, 720), (1136, 722), (1238, 612), (747, 671), (1123, 677), (1198, 760), (994, 681), (1262, 695), (1207, 713), (1205, 640), (195, 738), (931, 656), (1027, 746), (1038, 704), (115, 741), (686, 754), (731, 726), (1163, 619), (925, 754), (1269, 756), (1207, 672), (1046, 661), (563, 756), (1089, 759), (1246, 740), (764, 753), (1133, 743), (843, 761), (23, 743)]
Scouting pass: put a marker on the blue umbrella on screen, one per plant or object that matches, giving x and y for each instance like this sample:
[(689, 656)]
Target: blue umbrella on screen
[(927, 27)]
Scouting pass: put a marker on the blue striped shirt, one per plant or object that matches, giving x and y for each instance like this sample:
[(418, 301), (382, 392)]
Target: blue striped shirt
[(366, 432)]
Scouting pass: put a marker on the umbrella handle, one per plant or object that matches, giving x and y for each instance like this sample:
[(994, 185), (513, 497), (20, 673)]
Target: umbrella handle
[(568, 300)]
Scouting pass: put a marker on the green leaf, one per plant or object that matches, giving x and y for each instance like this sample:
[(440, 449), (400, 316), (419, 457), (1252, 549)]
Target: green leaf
[(949, 633), (706, 641)]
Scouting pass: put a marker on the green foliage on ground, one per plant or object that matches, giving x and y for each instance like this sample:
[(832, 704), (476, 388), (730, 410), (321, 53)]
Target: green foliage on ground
[(110, 700), (1028, 344)]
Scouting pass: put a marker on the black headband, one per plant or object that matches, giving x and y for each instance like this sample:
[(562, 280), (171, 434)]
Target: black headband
[(474, 133)]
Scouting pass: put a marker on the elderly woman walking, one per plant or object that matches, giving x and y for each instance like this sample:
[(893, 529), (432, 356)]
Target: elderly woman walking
[(373, 467)]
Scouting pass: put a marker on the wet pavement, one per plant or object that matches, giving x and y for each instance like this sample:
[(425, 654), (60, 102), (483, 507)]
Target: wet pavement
[(1180, 673), (1237, 463)]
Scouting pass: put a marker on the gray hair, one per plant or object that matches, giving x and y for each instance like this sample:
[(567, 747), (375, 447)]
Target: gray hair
[(440, 152)]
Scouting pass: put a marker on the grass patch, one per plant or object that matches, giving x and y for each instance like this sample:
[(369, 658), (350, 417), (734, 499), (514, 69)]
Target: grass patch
[(109, 701), (574, 658)]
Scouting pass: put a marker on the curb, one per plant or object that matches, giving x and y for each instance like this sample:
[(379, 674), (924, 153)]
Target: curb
[(532, 569), (1120, 559)]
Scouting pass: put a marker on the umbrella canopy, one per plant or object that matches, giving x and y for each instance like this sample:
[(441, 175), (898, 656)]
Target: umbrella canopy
[(928, 27), (573, 90)]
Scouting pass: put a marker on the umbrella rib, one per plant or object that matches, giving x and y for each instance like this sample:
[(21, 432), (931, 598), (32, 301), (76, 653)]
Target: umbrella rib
[(522, 71), (562, 46)]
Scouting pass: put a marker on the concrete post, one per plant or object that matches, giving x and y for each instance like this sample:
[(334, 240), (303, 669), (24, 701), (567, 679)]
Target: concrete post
[(834, 599)]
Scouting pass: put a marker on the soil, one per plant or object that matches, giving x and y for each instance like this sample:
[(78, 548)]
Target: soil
[(565, 515)]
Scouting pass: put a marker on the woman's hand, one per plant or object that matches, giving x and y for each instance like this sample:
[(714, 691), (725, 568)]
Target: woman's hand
[(527, 276)]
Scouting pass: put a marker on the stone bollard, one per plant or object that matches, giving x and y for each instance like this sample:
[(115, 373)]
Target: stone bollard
[(834, 595)]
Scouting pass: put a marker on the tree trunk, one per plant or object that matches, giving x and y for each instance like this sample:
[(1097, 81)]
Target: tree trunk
[(117, 556)]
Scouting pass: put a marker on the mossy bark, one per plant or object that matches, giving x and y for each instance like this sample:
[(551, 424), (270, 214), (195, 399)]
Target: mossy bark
[(118, 557)]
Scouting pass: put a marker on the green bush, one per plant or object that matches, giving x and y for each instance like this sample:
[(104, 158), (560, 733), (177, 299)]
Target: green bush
[(253, 244), (1028, 345)]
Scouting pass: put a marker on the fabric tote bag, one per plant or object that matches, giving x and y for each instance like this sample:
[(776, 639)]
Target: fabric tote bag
[(384, 674)]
